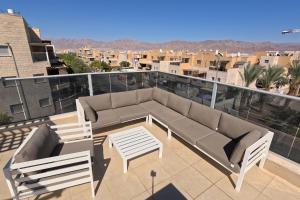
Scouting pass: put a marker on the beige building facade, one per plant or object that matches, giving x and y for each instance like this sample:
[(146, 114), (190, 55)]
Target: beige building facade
[(22, 52)]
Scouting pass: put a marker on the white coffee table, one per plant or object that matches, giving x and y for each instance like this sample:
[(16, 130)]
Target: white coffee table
[(134, 142)]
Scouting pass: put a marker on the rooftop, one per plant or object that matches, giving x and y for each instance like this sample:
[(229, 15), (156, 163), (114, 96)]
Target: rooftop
[(182, 173)]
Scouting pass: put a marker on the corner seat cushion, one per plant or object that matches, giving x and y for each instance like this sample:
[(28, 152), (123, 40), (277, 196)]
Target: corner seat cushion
[(144, 95), (131, 112), (106, 118), (152, 105), (218, 147), (234, 127), (89, 113), (160, 96), (165, 115), (179, 104), (74, 147), (190, 130), (121, 99), (40, 145), (98, 102), (204, 115), (240, 148)]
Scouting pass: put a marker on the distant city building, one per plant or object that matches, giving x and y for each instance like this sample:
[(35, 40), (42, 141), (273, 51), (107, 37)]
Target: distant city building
[(22, 51)]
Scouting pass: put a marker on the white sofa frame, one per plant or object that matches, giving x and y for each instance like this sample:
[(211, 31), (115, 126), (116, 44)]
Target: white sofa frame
[(256, 153), (19, 175)]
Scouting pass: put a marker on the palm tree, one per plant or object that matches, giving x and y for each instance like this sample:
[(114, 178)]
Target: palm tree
[(250, 74), (294, 76), (272, 76)]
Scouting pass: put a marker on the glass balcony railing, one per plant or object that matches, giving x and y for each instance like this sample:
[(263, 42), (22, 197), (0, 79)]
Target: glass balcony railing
[(24, 99)]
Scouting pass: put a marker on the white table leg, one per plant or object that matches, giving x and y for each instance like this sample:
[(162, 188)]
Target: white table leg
[(124, 165), (147, 119), (169, 133), (150, 119), (160, 151), (109, 143)]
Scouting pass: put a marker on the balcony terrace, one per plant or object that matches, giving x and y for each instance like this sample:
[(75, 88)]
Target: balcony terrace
[(183, 172)]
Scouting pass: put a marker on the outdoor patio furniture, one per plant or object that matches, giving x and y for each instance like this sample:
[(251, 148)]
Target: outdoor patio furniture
[(234, 143), (51, 158), (133, 143)]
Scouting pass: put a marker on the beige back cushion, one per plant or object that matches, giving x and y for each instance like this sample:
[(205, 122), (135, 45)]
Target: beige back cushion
[(204, 115), (179, 104), (160, 96), (144, 95), (98, 102), (121, 99), (234, 127)]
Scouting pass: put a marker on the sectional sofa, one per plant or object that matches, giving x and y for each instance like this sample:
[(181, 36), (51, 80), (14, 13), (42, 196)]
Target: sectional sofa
[(232, 142)]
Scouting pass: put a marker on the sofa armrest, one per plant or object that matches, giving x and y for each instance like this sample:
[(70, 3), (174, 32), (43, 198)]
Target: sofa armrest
[(80, 112), (257, 152), (48, 174), (74, 131)]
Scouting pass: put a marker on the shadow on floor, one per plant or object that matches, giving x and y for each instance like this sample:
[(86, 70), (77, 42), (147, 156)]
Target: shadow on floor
[(168, 192)]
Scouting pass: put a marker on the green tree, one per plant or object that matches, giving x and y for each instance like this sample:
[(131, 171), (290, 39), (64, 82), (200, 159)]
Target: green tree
[(5, 119), (124, 64), (272, 76), (95, 65), (250, 74), (73, 63), (101, 65), (294, 76)]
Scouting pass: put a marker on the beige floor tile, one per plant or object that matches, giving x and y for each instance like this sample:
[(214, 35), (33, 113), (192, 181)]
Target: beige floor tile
[(191, 181), (262, 197), (213, 193), (125, 187), (103, 193), (143, 172), (280, 189), (187, 155), (247, 191), (172, 163), (258, 178), (209, 171), (143, 196)]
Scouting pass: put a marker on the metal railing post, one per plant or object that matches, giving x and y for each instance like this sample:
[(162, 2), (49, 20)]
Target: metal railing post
[(214, 95), (90, 82)]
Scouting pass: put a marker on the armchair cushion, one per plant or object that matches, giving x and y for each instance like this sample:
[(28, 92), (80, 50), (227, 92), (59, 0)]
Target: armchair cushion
[(98, 102), (245, 142), (90, 113), (40, 145)]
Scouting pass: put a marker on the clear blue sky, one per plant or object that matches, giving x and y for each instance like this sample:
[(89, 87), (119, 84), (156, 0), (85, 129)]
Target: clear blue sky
[(162, 20)]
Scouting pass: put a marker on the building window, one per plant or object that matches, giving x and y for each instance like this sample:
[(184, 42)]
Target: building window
[(266, 61), (9, 83), (16, 108), (44, 102), (39, 80), (198, 62), (213, 78), (219, 79), (4, 50)]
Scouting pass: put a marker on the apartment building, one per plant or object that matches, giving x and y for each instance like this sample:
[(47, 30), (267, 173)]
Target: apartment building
[(22, 51), (273, 58)]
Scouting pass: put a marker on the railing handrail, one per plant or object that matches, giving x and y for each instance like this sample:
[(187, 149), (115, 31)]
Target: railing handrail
[(77, 74), (240, 87), (147, 71)]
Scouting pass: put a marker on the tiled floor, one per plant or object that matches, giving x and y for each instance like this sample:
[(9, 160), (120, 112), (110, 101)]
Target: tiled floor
[(181, 174)]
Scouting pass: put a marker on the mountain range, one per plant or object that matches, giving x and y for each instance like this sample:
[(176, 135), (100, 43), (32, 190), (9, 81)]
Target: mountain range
[(128, 44)]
